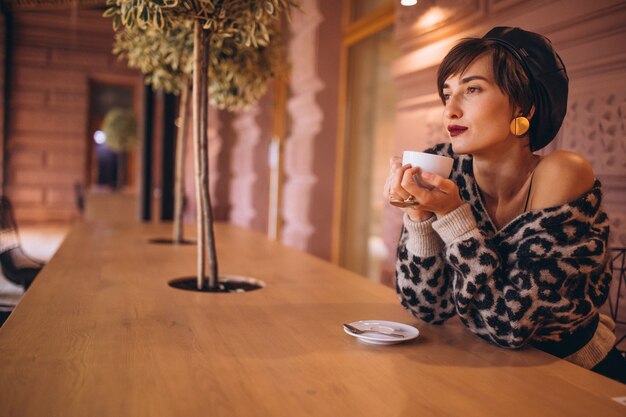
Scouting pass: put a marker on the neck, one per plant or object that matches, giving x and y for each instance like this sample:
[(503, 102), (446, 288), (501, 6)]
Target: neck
[(502, 174)]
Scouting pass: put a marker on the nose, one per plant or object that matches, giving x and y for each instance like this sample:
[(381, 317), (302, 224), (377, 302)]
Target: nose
[(452, 108)]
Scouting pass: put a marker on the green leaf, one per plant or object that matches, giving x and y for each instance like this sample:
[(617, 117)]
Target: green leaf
[(120, 126), (209, 24), (109, 12), (117, 21), (239, 73)]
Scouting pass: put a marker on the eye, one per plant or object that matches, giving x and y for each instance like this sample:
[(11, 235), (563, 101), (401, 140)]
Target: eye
[(473, 89), (446, 96)]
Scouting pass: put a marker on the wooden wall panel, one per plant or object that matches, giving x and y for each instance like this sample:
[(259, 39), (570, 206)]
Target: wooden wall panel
[(27, 196), (55, 55)]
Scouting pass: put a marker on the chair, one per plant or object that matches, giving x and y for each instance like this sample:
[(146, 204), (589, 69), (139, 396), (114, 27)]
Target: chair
[(5, 311), (618, 269), (17, 267)]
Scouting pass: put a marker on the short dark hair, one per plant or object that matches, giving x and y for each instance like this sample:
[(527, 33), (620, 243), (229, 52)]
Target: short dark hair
[(508, 73)]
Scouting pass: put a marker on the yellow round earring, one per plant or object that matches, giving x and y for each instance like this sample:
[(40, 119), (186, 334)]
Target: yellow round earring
[(519, 126)]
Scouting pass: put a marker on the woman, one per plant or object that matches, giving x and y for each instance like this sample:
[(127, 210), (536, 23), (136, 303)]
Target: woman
[(514, 243)]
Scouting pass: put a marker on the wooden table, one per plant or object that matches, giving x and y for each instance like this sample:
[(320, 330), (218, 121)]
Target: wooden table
[(100, 333)]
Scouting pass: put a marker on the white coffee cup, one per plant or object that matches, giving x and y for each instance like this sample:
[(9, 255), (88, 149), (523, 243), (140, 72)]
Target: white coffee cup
[(428, 162)]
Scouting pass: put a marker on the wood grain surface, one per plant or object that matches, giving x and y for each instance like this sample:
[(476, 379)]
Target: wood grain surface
[(100, 333)]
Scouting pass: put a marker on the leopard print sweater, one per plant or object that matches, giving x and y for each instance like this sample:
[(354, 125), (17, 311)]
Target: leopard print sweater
[(540, 279)]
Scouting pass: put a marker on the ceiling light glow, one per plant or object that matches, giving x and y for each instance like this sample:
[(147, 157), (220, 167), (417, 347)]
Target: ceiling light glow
[(99, 137)]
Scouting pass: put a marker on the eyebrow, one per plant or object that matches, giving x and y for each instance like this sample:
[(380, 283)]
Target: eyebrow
[(468, 79)]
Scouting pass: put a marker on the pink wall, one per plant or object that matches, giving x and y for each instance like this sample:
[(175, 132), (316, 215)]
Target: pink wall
[(249, 169), (219, 144), (310, 146)]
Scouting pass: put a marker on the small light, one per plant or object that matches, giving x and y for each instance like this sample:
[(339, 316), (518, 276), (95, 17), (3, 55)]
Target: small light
[(408, 2), (99, 137)]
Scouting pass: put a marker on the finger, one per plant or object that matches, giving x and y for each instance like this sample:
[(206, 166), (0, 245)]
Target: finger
[(409, 184), (395, 162), (444, 198), (397, 190), (440, 183), (399, 172), (417, 178)]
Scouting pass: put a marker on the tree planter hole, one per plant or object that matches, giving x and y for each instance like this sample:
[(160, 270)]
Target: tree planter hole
[(227, 284), (168, 241)]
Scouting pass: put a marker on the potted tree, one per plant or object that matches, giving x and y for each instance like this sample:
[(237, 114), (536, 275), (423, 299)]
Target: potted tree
[(164, 56), (222, 29), (120, 127)]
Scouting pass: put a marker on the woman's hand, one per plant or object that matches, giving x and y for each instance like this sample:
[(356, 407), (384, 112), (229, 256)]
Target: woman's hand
[(394, 190), (441, 200)]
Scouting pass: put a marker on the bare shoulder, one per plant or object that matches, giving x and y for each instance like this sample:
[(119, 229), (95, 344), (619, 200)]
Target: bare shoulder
[(560, 177)]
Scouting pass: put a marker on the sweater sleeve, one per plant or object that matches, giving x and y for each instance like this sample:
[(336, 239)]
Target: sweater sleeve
[(544, 273), (422, 277)]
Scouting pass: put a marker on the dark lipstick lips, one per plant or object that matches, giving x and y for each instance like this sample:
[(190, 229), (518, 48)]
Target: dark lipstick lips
[(455, 130)]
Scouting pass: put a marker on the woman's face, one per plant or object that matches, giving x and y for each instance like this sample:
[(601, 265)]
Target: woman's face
[(476, 112)]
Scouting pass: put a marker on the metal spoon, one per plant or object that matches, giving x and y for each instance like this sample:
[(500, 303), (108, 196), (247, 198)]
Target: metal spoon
[(354, 330), (404, 204)]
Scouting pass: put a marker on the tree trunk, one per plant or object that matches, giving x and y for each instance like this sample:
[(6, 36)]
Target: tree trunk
[(179, 176), (206, 194), (206, 237), (199, 83)]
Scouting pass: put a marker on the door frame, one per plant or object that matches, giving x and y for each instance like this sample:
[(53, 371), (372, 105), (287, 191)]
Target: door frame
[(130, 81)]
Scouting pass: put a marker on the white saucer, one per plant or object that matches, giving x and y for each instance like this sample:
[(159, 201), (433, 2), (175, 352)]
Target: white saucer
[(409, 332)]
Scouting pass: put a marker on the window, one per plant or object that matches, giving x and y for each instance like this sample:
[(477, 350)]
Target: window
[(366, 139)]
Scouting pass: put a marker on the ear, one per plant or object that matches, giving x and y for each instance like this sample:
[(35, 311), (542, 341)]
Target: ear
[(518, 112)]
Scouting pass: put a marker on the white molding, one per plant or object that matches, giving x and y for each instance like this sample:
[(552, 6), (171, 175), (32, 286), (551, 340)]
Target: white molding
[(243, 170), (307, 117)]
